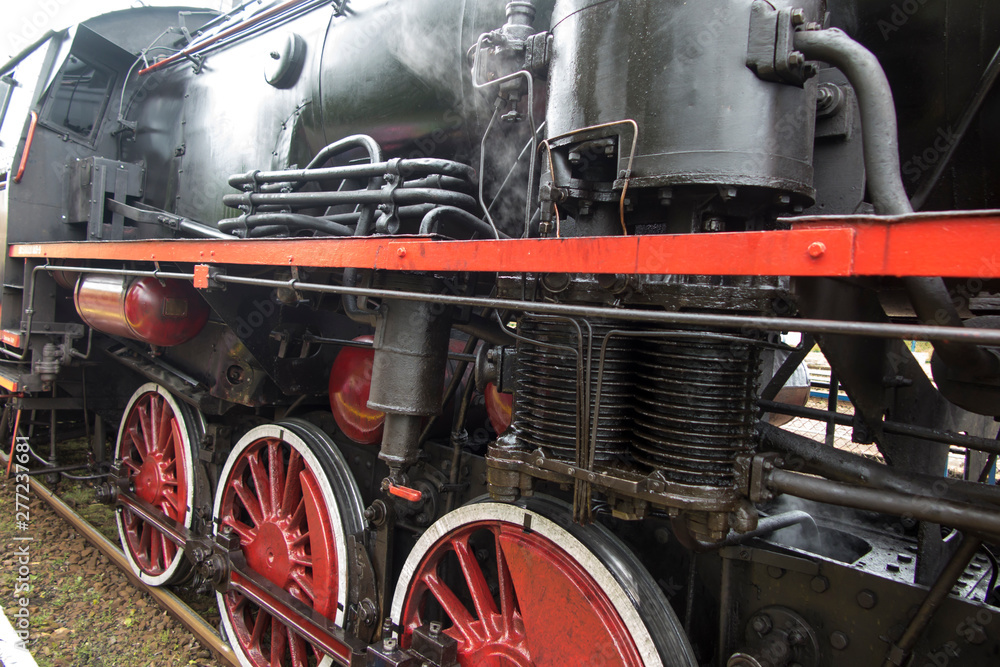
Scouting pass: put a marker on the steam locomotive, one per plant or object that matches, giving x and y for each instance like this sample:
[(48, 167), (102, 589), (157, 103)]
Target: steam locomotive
[(450, 332)]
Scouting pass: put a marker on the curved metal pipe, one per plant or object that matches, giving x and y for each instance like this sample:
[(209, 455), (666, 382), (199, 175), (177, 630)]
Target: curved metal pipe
[(433, 220), (880, 138), (290, 220), (766, 526), (878, 113), (351, 302)]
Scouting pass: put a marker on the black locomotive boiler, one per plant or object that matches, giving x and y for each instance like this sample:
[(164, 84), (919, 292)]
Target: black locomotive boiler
[(450, 332)]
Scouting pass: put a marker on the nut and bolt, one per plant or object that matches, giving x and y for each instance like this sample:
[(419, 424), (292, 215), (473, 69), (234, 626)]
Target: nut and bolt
[(798, 17), (819, 584), (761, 624)]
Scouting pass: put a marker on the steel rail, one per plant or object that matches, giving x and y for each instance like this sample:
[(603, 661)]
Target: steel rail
[(205, 633)]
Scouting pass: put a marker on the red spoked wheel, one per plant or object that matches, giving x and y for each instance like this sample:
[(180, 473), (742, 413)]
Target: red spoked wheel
[(514, 587), (156, 444), (287, 493)]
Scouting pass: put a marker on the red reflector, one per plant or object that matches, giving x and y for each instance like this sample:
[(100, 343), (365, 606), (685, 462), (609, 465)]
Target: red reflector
[(350, 385)]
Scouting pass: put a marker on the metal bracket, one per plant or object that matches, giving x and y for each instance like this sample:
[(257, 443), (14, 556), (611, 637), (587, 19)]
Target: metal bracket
[(771, 52), (760, 468)]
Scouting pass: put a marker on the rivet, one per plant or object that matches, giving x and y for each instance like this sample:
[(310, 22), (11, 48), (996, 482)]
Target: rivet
[(817, 249), (401, 252)]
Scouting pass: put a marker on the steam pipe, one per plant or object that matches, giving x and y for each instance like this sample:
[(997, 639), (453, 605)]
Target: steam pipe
[(885, 182), (401, 196), (433, 220), (407, 168), (962, 516), (772, 524), (878, 113), (853, 469), (439, 182), (291, 220), (766, 526), (485, 330)]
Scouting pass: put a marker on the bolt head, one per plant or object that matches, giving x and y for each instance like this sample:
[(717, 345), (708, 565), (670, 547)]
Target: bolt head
[(816, 249), (401, 252), (761, 624), (867, 599)]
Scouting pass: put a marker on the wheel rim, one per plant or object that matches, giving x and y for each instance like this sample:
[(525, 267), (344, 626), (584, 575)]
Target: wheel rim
[(502, 592), (155, 448), (277, 493)]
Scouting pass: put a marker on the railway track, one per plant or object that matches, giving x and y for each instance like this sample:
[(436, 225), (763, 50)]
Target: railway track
[(181, 612)]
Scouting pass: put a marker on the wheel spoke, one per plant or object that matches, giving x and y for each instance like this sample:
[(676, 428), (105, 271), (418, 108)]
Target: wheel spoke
[(250, 502), (169, 549), (305, 583), (145, 533), (279, 642), (453, 607), (508, 601), (299, 652), (145, 427), (292, 496), (298, 519), (138, 440), (259, 623), (276, 474), (155, 549), (164, 430), (260, 482), (245, 532), (482, 599)]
